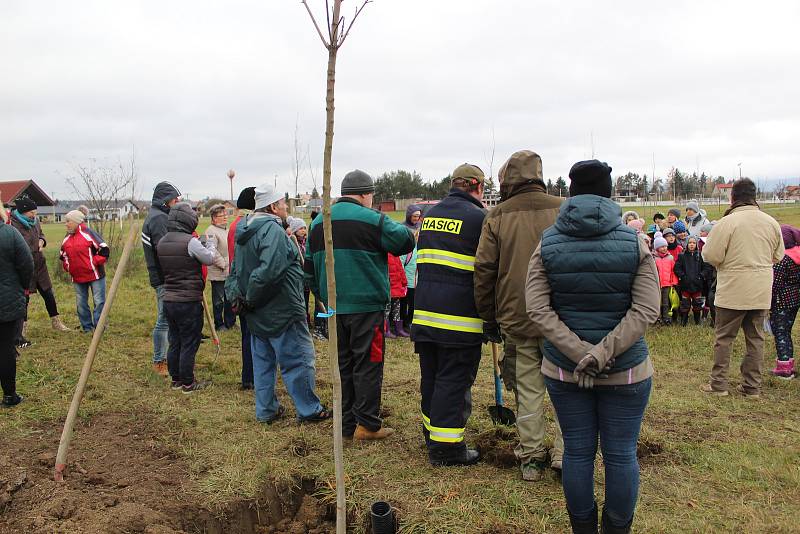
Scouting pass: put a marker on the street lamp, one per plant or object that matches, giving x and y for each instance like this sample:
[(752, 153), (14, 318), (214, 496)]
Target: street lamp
[(231, 174)]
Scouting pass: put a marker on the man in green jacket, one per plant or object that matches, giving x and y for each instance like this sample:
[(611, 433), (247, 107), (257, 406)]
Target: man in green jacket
[(362, 240), (266, 285)]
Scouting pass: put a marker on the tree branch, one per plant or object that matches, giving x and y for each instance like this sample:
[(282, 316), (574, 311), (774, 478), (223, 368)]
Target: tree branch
[(347, 32), (319, 32), (328, 18)]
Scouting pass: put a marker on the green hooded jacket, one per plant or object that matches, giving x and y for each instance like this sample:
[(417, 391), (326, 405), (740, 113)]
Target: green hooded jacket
[(267, 274)]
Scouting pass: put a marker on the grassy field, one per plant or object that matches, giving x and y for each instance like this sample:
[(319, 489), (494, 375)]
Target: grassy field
[(708, 464)]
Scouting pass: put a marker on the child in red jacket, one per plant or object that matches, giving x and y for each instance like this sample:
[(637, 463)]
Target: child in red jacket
[(83, 256), (398, 284), (666, 276)]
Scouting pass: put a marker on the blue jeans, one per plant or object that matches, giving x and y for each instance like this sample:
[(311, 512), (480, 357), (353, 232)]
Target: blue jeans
[(615, 414), (88, 318), (161, 329), (294, 352)]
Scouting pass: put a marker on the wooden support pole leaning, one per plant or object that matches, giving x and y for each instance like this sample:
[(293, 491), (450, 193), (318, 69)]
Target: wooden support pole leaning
[(69, 424)]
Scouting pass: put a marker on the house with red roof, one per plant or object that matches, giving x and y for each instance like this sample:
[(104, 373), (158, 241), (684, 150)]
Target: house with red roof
[(10, 191)]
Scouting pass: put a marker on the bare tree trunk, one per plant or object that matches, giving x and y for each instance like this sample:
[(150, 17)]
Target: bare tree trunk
[(333, 346)]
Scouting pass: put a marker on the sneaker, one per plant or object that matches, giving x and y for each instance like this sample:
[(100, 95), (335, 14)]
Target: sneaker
[(741, 391), (706, 388), (533, 471), (784, 370), (10, 401), (197, 385), (24, 343), (176, 385), (161, 368)]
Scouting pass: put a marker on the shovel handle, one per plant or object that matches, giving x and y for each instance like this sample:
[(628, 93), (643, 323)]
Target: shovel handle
[(210, 321), (498, 384)]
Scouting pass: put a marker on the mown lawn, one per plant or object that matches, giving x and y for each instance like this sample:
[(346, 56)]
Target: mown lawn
[(708, 464)]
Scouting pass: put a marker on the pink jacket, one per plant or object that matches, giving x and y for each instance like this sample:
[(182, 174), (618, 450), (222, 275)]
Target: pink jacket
[(666, 269)]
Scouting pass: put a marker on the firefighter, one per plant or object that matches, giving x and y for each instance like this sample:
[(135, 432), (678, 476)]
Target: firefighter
[(446, 329)]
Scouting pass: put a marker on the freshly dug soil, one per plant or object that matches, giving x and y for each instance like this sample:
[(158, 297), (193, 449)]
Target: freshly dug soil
[(122, 478)]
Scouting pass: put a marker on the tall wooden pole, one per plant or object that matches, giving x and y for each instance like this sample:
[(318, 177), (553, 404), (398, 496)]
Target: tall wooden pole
[(69, 424), (333, 348)]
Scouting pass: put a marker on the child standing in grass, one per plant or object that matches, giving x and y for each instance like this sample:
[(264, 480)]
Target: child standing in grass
[(666, 276), (673, 246), (691, 270), (785, 302)]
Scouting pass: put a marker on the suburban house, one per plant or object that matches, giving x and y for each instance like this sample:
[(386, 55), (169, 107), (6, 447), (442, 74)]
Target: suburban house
[(723, 191), (9, 191), (792, 192), (110, 210)]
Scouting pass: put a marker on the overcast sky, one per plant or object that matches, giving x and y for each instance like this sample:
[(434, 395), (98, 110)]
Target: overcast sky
[(199, 87)]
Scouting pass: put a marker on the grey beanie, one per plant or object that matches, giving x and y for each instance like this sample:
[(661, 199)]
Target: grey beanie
[(707, 227), (668, 231), (357, 183), (295, 223), (676, 212), (693, 205)]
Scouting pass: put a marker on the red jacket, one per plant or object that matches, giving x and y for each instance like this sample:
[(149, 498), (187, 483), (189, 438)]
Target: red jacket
[(666, 270), (675, 252), (232, 238), (84, 254), (397, 278)]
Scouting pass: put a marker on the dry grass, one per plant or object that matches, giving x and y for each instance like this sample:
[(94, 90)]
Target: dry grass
[(708, 465)]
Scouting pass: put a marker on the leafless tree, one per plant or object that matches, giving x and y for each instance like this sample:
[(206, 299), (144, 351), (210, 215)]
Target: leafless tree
[(297, 161), (105, 188), (337, 32)]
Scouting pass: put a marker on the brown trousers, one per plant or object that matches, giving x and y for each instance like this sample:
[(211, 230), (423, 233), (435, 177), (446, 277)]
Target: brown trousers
[(727, 327)]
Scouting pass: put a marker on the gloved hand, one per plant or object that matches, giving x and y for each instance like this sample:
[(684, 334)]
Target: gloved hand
[(588, 369), (491, 333), (239, 306)]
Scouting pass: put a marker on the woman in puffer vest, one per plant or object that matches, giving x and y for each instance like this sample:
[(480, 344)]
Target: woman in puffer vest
[(592, 289)]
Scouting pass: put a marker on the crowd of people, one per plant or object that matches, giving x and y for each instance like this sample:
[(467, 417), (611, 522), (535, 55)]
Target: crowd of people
[(568, 287)]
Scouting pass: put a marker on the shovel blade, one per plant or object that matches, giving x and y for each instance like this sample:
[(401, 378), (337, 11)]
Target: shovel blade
[(502, 416)]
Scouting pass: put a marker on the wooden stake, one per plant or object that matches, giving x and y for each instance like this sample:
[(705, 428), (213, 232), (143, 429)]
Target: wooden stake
[(69, 424)]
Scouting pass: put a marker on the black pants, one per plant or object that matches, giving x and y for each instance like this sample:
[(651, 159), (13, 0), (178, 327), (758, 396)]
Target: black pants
[(8, 358), (361, 349), (407, 308), (223, 315), (185, 321), (247, 354), (447, 377)]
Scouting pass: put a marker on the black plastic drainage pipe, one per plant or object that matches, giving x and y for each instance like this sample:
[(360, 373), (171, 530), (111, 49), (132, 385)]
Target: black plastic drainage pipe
[(383, 520)]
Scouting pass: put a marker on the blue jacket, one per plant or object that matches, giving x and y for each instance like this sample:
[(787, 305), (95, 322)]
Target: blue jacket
[(591, 260)]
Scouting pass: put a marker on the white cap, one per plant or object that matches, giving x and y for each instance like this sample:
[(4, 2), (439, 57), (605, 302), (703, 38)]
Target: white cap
[(266, 195)]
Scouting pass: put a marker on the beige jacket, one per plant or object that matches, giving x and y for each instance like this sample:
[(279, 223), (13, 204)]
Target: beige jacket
[(644, 310), (218, 271), (743, 246)]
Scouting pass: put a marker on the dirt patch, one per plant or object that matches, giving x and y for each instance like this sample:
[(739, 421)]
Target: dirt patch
[(122, 477), (497, 447)]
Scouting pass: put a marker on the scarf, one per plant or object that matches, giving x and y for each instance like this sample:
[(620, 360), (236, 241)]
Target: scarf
[(673, 245), (27, 222)]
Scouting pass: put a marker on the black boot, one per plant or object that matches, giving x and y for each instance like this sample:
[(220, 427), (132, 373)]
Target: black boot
[(684, 319), (11, 400), (584, 526), (463, 457), (607, 528), (696, 317)]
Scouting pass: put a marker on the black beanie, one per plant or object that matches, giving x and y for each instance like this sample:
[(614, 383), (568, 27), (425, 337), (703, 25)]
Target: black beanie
[(590, 177), (24, 204), (247, 199)]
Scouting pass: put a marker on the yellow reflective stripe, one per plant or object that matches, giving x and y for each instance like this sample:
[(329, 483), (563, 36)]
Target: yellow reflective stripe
[(448, 322), (446, 258), (443, 435)]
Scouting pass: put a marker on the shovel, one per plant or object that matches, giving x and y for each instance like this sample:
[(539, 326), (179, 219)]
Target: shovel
[(214, 336), (499, 413)]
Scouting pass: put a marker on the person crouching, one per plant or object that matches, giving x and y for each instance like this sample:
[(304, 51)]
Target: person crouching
[(181, 256), (84, 255)]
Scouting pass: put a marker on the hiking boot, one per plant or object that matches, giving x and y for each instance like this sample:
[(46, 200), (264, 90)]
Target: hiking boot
[(784, 369), (10, 401), (706, 388), (533, 471), (161, 368), (362, 434), (741, 391), (58, 325), (556, 464), (467, 457), (197, 385), (584, 526)]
